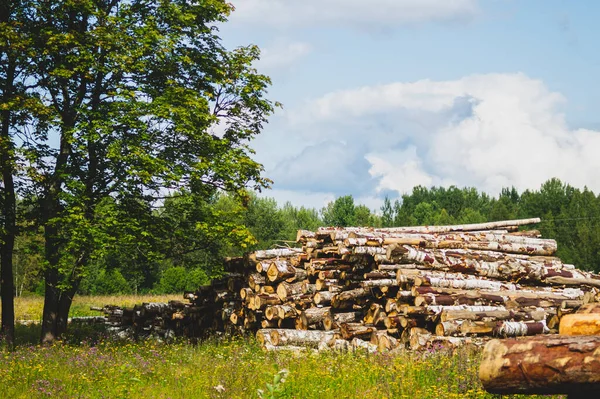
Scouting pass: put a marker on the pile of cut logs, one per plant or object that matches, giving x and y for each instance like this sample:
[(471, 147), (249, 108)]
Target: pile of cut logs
[(381, 289)]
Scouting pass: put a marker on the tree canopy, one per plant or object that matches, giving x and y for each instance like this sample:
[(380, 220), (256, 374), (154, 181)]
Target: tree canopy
[(133, 100)]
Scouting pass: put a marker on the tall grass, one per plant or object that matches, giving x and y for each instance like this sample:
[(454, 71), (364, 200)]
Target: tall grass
[(30, 307), (233, 369)]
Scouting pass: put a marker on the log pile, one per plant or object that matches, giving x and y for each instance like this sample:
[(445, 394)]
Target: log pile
[(381, 289)]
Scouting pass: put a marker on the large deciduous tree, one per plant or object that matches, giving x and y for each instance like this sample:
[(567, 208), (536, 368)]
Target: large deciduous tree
[(140, 97)]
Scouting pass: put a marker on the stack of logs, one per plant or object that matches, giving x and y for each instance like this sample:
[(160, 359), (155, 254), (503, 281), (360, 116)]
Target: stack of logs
[(413, 286), (388, 288)]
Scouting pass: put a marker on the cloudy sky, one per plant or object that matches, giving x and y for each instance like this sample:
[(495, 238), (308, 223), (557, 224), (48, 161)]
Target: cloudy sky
[(383, 95)]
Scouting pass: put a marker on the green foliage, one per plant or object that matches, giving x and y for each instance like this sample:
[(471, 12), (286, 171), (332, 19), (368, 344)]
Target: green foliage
[(105, 282), (177, 279)]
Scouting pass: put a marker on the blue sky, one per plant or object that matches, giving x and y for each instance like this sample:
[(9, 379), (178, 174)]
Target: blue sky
[(382, 95)]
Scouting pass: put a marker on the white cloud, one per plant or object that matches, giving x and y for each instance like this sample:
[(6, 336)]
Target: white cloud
[(374, 13), (282, 54), (489, 131)]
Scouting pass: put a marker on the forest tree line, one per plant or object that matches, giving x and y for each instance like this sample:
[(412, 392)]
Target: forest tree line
[(189, 235)]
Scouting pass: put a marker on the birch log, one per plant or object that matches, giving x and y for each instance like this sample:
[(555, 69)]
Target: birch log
[(312, 338)]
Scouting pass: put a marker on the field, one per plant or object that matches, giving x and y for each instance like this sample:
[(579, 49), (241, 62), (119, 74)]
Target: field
[(89, 365)]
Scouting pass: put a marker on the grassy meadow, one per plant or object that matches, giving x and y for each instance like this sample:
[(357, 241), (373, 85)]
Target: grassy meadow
[(89, 364)]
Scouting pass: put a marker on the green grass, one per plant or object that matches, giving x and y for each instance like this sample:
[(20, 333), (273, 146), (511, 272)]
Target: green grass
[(88, 364), (232, 369)]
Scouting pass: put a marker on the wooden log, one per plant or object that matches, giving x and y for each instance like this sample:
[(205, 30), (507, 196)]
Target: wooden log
[(304, 235), (244, 292), (560, 295), (326, 284), (274, 253), (418, 337), (465, 284), (263, 300), (311, 338), (384, 341), (580, 324), (497, 265), (329, 274), (255, 281), (504, 328), (378, 283), (447, 328), (379, 275), (312, 316), (552, 364), (264, 337), (434, 229), (352, 294), (525, 315), (323, 297), (374, 314), (336, 319), (475, 241), (280, 270), (267, 289), (408, 310), (285, 290), (261, 267), (578, 279), (356, 330)]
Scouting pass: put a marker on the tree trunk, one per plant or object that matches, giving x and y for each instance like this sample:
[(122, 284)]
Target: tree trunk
[(8, 229), (542, 365)]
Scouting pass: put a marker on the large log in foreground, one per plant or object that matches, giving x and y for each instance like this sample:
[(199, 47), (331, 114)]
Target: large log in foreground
[(551, 364)]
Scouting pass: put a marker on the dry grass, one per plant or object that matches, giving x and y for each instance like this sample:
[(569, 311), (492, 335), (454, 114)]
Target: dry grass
[(30, 307)]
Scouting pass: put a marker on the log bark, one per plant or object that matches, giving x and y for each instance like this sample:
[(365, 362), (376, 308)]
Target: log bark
[(379, 283), (356, 330), (534, 315), (311, 338), (542, 365), (476, 241), (336, 319), (497, 265), (312, 316), (447, 328), (323, 297), (504, 328), (263, 300), (325, 284), (255, 281), (274, 253), (321, 231)]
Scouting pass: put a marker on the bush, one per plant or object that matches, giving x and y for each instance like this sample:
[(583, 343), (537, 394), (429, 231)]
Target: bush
[(177, 279), (105, 282)]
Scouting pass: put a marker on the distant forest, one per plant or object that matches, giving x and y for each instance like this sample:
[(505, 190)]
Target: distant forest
[(188, 236)]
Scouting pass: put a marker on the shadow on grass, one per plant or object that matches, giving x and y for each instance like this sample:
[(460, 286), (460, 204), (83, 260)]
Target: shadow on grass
[(77, 334)]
